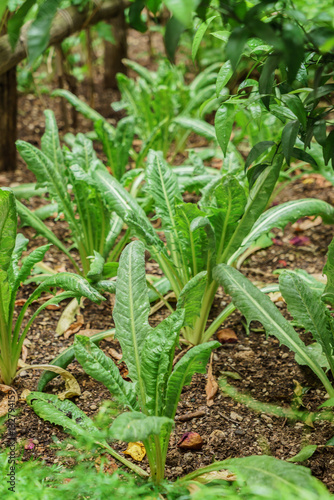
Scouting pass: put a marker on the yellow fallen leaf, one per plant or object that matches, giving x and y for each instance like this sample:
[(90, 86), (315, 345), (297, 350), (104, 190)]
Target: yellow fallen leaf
[(136, 451), (24, 394), (276, 296), (71, 385)]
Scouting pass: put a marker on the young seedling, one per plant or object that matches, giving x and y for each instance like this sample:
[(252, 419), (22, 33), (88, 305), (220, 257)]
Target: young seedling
[(12, 334)]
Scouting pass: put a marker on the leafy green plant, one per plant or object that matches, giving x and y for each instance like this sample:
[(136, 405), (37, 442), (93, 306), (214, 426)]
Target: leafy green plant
[(305, 305), (290, 73), (94, 228), (152, 395), (162, 108), (226, 222), (12, 334)]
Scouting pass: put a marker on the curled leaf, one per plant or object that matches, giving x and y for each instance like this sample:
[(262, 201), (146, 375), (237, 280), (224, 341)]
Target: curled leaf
[(190, 441), (24, 394), (72, 387), (67, 317), (227, 336)]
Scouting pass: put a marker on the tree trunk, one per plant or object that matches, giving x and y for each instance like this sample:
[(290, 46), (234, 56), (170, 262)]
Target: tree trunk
[(8, 115), (114, 53)]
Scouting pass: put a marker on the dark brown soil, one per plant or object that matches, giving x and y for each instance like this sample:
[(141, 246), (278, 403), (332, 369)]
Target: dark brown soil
[(268, 371)]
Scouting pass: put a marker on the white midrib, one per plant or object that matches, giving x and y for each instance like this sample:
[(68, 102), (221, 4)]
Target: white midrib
[(115, 192), (133, 334), (169, 208), (257, 229)]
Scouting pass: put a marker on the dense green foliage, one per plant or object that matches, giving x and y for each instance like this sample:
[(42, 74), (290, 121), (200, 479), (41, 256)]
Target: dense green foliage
[(12, 246)]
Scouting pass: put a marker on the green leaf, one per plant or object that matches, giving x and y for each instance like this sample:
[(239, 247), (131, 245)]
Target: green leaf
[(256, 151), (223, 77), (328, 295), (105, 286), (71, 282), (26, 191), (305, 453), (74, 421), (196, 125), (300, 154), (267, 77), (256, 306), (304, 306), (64, 413), (104, 370), (257, 201), (96, 267), (265, 471), (199, 35), (182, 10), (48, 175), (236, 44), (66, 357), (39, 31), (227, 208), (131, 311), (116, 144), (284, 213), (194, 361), (192, 240), (50, 143), (190, 298), (28, 263), (20, 244), (119, 200), (163, 187), (82, 107), (317, 353), (135, 426), (224, 120), (157, 360), (173, 32), (8, 224), (294, 103), (30, 219), (16, 21), (289, 136)]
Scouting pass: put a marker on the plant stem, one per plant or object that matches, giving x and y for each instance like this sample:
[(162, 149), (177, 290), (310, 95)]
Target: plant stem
[(159, 462), (124, 461), (209, 294), (226, 312)]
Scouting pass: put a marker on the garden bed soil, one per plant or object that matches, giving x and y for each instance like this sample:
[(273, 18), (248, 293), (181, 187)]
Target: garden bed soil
[(268, 372)]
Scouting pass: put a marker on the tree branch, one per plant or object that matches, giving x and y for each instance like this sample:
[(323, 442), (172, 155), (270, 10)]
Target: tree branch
[(65, 23)]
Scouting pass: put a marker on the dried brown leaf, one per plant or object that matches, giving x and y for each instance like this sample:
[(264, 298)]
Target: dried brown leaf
[(212, 386), (227, 336)]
